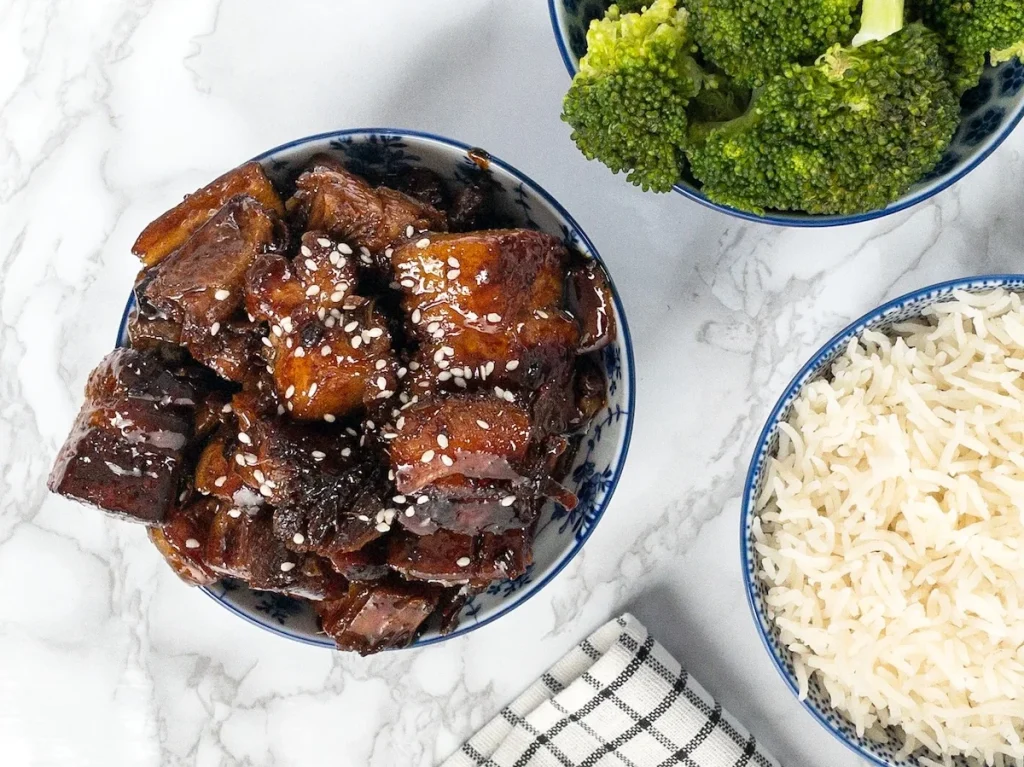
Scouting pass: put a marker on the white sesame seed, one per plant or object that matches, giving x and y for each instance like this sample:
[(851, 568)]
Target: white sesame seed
[(234, 513), (227, 408), (499, 392), (508, 500), (483, 424), (443, 364), (266, 342), (363, 518), (288, 343), (410, 512), (446, 460), (344, 249), (414, 365), (214, 328), (298, 538), (366, 258), (494, 317), (222, 294), (312, 390), (467, 371), (351, 326), (312, 290), (511, 364), (323, 242), (318, 455), (408, 283), (265, 490), (276, 330), (219, 482), (325, 351), (489, 367), (346, 452), (244, 438), (286, 323), (409, 231), (542, 314), (463, 561), (239, 459), (444, 375), (310, 264), (399, 499), (321, 312), (287, 567), (442, 441), (509, 397), (453, 274), (460, 382), (383, 527), (432, 328), (457, 372), (304, 250), (375, 332), (289, 406), (330, 418), (453, 262), (337, 296), (427, 457), (259, 476), (191, 543), (356, 342), (416, 315), (423, 243), (370, 425), (300, 352), (448, 351)]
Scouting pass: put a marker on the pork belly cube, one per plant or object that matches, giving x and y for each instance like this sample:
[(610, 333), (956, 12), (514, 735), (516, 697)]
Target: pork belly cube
[(230, 348), (470, 507), (125, 453), (226, 470), (367, 564), (486, 308), (450, 558), (170, 231), (476, 436), (243, 546), (331, 199), (182, 540), (592, 303), (328, 369), (286, 293), (378, 615)]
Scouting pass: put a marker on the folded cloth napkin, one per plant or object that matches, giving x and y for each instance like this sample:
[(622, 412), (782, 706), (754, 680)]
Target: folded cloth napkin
[(617, 700)]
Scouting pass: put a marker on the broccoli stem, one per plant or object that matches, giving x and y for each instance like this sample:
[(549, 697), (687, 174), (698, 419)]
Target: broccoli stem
[(879, 19)]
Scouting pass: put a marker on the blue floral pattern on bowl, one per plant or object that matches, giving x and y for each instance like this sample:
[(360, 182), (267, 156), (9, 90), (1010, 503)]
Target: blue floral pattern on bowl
[(990, 112), (881, 751), (379, 152)]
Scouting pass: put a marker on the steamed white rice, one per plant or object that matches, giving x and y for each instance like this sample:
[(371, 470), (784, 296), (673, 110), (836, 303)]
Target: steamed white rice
[(891, 531)]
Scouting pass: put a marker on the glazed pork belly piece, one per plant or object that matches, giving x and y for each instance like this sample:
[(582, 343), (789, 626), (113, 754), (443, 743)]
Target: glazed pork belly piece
[(182, 540), (125, 453), (378, 615), (452, 559), (170, 231), (487, 310), (331, 199)]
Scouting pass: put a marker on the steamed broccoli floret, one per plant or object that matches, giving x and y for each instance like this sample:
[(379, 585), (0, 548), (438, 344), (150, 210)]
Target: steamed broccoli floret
[(974, 29), (751, 40), (627, 105), (851, 133)]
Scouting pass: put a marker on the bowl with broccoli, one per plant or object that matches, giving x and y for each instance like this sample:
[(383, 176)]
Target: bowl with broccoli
[(797, 113)]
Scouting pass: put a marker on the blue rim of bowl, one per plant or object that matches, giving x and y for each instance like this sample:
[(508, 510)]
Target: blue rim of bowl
[(623, 330), (807, 220), (993, 280)]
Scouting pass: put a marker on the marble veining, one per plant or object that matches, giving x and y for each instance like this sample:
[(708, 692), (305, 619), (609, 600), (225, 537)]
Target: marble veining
[(112, 109)]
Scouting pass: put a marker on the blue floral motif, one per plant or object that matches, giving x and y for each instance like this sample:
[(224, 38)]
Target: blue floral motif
[(378, 157), (612, 367), (278, 607), (949, 161), (980, 128), (1011, 78), (507, 588), (521, 200), (469, 171), (977, 97)]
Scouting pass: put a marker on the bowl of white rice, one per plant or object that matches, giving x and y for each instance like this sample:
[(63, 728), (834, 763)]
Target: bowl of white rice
[(882, 528)]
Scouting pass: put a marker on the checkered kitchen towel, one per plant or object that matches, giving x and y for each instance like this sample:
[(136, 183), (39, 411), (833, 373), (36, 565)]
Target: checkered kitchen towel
[(617, 700)]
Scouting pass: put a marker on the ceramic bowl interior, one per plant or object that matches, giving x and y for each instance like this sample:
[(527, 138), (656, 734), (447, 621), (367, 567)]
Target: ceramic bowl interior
[(376, 153), (881, 751), (990, 113)]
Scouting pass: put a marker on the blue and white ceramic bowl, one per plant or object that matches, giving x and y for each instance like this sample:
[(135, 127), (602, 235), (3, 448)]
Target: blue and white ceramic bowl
[(990, 113), (881, 752), (598, 465)]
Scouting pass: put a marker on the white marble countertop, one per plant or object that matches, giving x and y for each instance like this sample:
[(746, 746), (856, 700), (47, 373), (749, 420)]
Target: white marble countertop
[(112, 109)]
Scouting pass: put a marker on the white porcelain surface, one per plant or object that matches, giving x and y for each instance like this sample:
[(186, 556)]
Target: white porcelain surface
[(112, 109)]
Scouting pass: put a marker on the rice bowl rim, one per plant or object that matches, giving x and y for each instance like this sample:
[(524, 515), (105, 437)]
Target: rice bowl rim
[(810, 371)]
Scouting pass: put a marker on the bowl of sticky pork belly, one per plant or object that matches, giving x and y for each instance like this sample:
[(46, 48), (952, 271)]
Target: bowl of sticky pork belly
[(372, 389)]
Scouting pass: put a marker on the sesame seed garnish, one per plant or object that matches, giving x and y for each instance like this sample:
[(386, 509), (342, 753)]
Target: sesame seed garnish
[(259, 476), (409, 231), (383, 527), (323, 242), (289, 406), (286, 323), (266, 342), (422, 499), (337, 296), (344, 249), (321, 312), (356, 341), (427, 457), (453, 262), (542, 314), (227, 408), (494, 317), (287, 566), (442, 440), (300, 352), (370, 425), (304, 250), (408, 283), (411, 511), (312, 390), (234, 513), (499, 392), (416, 315), (318, 455), (432, 328), (346, 452), (276, 330), (463, 561), (375, 332), (453, 274), (511, 364), (508, 500), (310, 264), (214, 328), (509, 397), (448, 351), (244, 438), (457, 372), (191, 543), (414, 365), (489, 367), (467, 371), (460, 382), (444, 375), (423, 243), (351, 326), (366, 258), (446, 460), (329, 418), (298, 538), (399, 499), (443, 364), (265, 490), (312, 290), (239, 459), (483, 424), (251, 318), (222, 294), (325, 351)]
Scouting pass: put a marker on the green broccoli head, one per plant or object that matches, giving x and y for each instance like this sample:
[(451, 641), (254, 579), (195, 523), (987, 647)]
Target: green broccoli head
[(751, 40), (976, 29), (627, 105), (849, 134)]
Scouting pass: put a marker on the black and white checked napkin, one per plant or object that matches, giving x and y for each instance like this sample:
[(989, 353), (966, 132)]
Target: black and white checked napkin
[(617, 700)]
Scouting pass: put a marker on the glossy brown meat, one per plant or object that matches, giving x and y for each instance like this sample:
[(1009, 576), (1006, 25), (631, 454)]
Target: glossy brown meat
[(486, 308), (378, 615), (170, 231), (498, 507), (478, 436), (449, 558), (125, 453), (182, 540), (336, 201), (367, 564), (225, 470), (472, 207), (286, 293), (244, 547), (231, 352), (591, 302), (423, 185), (330, 368)]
